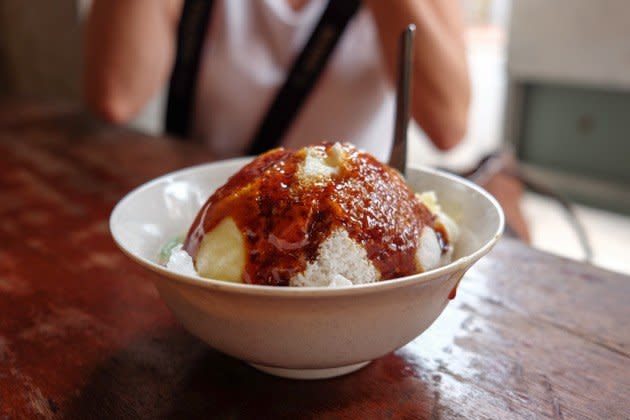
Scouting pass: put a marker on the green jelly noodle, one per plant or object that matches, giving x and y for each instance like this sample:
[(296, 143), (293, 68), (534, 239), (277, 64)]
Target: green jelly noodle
[(165, 252)]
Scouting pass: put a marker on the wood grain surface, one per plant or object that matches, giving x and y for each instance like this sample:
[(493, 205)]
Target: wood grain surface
[(83, 333)]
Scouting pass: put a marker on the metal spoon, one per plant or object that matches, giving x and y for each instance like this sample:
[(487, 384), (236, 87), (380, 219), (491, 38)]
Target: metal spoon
[(398, 158)]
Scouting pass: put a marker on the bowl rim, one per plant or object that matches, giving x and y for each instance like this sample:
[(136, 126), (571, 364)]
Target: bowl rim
[(459, 265)]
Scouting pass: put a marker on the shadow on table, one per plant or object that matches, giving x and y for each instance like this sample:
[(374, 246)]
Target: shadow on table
[(172, 374)]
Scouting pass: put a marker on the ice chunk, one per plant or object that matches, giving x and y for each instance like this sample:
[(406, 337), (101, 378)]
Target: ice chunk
[(339, 281), (180, 262), (429, 253)]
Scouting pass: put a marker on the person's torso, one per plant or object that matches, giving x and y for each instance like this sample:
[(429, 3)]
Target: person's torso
[(250, 47)]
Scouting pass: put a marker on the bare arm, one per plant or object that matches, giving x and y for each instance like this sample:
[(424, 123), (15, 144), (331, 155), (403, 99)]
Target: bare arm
[(441, 86), (129, 51)]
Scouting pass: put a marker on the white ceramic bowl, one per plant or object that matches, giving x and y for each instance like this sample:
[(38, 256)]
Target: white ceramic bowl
[(303, 333)]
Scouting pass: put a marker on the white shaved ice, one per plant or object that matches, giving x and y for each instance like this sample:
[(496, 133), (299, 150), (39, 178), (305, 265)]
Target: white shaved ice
[(341, 261), (339, 258), (181, 262), (319, 164)]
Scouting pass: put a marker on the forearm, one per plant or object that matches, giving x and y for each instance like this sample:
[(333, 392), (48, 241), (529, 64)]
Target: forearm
[(129, 49), (441, 94)]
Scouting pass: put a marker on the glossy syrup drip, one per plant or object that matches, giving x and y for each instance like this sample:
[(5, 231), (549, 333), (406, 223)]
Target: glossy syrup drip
[(284, 220)]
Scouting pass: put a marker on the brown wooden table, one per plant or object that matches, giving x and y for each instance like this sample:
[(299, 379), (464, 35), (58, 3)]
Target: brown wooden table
[(83, 333)]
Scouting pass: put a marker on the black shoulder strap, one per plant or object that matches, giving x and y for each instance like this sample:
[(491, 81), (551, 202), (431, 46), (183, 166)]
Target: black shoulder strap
[(305, 72), (191, 33), (302, 77)]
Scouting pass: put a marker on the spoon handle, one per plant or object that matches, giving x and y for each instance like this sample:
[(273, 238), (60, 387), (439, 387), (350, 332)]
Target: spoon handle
[(398, 159)]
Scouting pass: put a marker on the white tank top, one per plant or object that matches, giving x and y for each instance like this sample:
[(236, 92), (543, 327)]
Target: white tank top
[(251, 45)]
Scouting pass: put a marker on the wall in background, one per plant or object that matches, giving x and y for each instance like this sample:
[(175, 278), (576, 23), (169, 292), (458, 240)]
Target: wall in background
[(571, 41)]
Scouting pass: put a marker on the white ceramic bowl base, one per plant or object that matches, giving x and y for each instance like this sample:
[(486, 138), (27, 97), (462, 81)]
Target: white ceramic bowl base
[(311, 373), (303, 333)]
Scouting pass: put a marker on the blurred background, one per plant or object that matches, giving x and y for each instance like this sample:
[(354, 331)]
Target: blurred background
[(550, 80)]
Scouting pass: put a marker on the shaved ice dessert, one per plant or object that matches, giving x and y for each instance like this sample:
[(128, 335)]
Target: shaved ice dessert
[(325, 215)]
